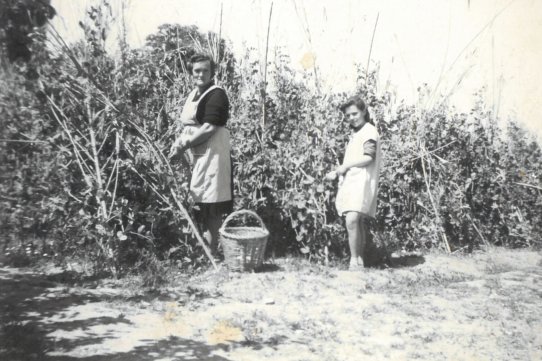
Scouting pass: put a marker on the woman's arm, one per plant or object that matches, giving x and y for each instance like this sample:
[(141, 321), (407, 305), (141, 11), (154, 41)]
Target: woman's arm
[(363, 162), (200, 136), (369, 154)]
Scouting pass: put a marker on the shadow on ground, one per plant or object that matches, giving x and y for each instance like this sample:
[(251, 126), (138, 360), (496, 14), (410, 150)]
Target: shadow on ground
[(31, 308), (173, 348), (409, 260), (379, 256), (268, 267)]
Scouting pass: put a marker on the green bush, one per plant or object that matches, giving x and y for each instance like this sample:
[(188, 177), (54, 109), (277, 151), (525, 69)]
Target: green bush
[(84, 166)]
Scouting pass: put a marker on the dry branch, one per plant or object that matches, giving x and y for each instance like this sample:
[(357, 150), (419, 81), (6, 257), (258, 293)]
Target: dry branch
[(528, 185), (433, 203), (162, 158), (264, 85), (157, 153), (371, 49), (22, 141)]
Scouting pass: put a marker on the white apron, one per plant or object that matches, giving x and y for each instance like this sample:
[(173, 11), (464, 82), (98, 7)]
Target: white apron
[(359, 187), (210, 160)]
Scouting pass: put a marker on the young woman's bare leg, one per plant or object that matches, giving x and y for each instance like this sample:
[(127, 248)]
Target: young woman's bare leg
[(354, 234), (362, 240)]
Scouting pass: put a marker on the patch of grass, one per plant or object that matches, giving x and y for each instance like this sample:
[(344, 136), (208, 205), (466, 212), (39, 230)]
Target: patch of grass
[(302, 266), (413, 281), (258, 328), (492, 267), (152, 275)]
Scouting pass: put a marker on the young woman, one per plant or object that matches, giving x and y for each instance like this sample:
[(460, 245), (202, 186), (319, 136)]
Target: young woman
[(358, 177), (206, 141)]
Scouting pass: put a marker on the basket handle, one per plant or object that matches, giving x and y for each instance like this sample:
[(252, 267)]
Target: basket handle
[(243, 211)]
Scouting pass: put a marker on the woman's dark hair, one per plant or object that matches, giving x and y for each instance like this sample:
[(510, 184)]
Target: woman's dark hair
[(360, 104), (198, 58)]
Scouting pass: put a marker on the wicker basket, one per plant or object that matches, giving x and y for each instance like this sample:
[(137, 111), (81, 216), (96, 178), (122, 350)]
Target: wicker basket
[(243, 247)]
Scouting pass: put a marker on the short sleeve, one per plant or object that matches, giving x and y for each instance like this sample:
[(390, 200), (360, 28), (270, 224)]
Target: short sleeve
[(371, 134), (369, 139), (214, 108), (369, 148)]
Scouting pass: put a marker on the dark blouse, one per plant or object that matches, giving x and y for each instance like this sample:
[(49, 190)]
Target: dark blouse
[(214, 108)]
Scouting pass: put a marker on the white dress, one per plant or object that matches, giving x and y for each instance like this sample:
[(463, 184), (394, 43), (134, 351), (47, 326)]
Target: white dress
[(358, 188)]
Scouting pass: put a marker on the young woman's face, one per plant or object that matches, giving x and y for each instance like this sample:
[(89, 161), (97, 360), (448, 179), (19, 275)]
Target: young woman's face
[(355, 116), (202, 73)]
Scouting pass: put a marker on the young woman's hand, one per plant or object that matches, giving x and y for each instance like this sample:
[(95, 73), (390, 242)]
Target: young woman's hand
[(341, 170), (331, 176)]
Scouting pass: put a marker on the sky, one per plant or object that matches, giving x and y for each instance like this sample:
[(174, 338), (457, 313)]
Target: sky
[(456, 47)]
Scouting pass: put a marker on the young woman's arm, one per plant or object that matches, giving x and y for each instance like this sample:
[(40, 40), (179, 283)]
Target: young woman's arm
[(363, 162), (369, 154)]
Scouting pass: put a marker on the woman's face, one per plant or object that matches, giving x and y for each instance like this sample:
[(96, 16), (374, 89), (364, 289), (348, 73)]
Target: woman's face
[(355, 116), (201, 72)]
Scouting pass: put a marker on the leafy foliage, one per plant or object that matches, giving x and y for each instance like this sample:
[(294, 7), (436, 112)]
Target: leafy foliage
[(83, 165), (17, 22), (449, 179)]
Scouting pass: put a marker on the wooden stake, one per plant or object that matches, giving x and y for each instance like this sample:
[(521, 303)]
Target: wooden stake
[(371, 49), (161, 157), (264, 87), (219, 38), (433, 203)]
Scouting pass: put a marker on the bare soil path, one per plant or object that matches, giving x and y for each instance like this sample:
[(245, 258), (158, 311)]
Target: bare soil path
[(484, 306)]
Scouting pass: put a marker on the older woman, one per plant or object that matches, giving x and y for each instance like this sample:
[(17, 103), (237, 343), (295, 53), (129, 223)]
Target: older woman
[(206, 141), (358, 182)]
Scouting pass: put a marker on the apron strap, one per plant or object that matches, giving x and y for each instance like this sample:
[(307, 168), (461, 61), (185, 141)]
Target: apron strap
[(212, 87), (190, 103)]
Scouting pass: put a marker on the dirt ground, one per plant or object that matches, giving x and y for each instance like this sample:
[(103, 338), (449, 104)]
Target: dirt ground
[(482, 306)]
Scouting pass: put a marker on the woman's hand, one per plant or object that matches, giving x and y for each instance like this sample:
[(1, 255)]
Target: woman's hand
[(178, 147), (173, 151), (341, 170), (331, 176)]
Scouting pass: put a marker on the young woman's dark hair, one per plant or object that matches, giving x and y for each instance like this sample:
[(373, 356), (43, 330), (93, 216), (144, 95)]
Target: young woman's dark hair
[(360, 104), (198, 58)]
